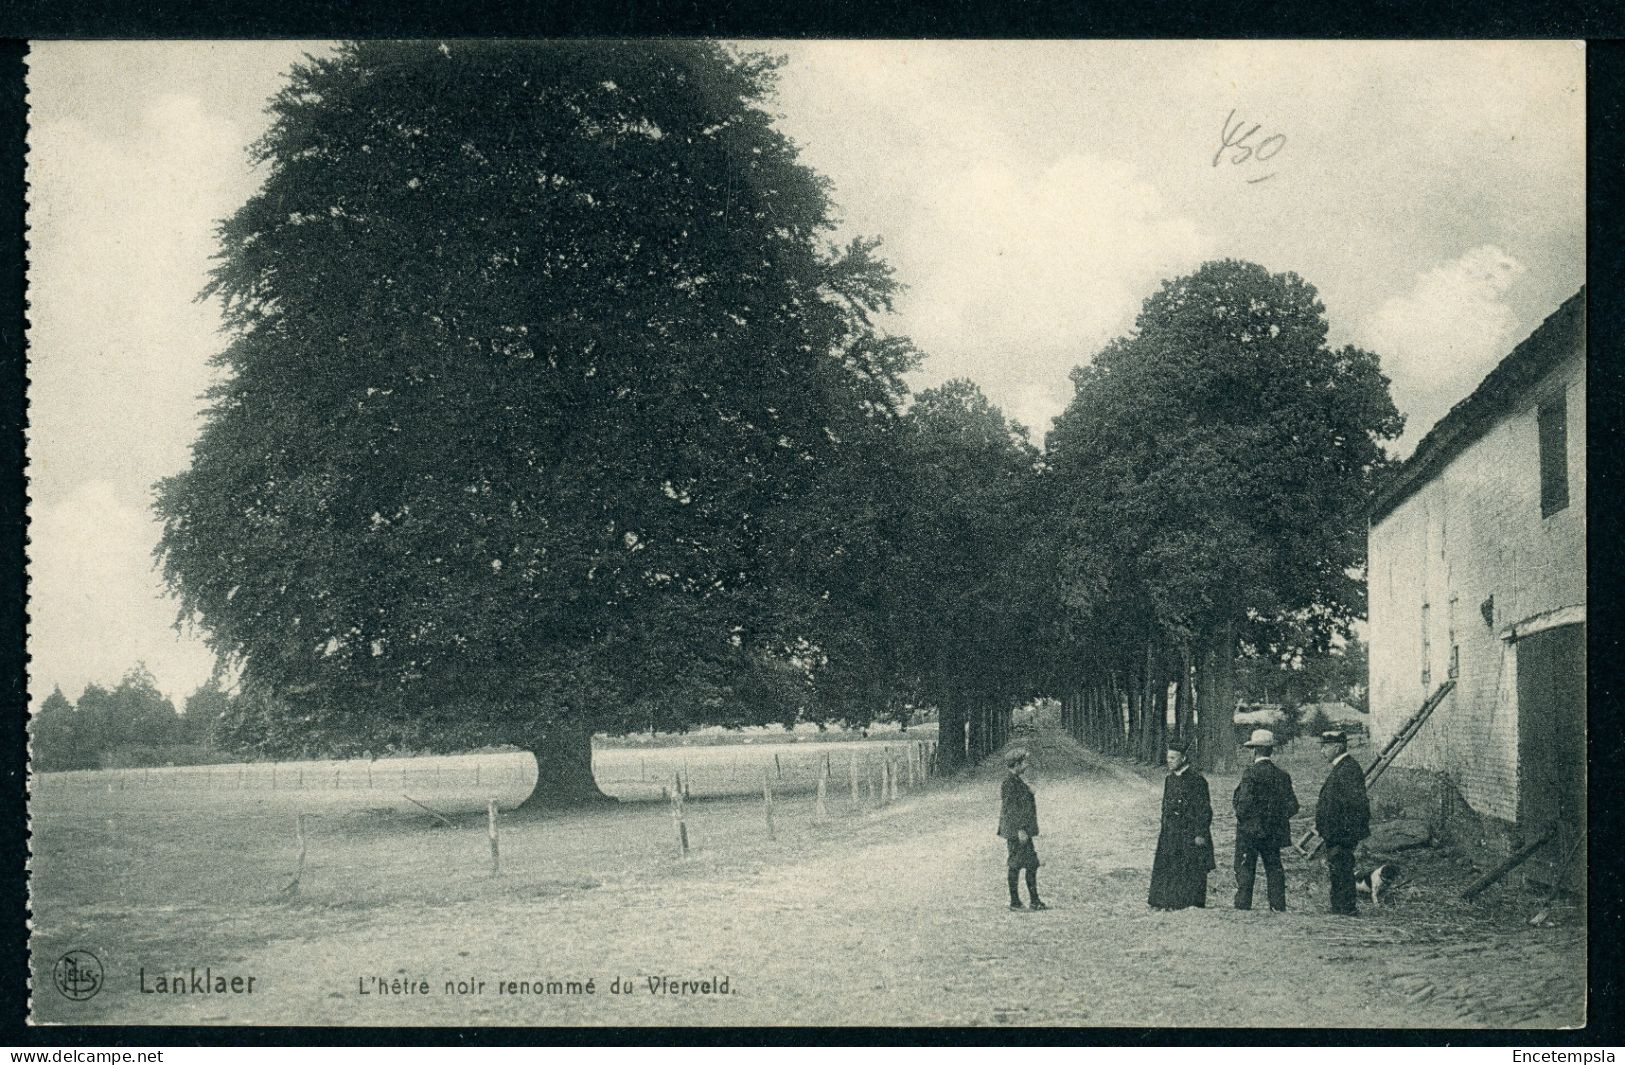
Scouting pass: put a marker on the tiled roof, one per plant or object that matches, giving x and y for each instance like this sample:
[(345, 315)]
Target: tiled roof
[(1506, 385)]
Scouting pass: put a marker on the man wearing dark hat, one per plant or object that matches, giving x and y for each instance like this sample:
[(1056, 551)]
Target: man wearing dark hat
[(1018, 824), (1342, 817), (1185, 846), (1264, 802)]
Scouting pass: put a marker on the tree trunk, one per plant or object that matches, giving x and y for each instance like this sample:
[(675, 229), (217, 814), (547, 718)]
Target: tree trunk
[(1103, 711), (1097, 715), (1106, 713), (1182, 696), (1160, 735), (1119, 718), (951, 735), (1136, 714), (1150, 706), (1216, 701), (563, 769)]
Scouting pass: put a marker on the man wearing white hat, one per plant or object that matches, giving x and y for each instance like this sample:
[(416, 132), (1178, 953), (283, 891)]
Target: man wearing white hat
[(1264, 802)]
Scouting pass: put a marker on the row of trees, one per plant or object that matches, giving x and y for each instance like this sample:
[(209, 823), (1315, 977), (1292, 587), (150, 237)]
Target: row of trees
[(132, 723), (550, 409), (1213, 471)]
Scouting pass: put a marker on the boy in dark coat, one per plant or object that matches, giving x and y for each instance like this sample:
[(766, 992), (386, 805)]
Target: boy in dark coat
[(1342, 817), (1264, 801), (1018, 824), (1185, 847)]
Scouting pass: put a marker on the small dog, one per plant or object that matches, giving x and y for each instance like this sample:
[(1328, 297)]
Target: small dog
[(1378, 882)]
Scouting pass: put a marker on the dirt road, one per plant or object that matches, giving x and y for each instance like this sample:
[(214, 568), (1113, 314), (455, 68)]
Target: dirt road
[(894, 917)]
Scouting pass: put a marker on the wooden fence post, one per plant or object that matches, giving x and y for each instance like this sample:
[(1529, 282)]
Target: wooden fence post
[(767, 801), (677, 815), (491, 830), (295, 885), (823, 781), (778, 767), (852, 767)]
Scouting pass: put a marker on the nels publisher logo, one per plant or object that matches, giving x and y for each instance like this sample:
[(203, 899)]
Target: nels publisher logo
[(78, 975)]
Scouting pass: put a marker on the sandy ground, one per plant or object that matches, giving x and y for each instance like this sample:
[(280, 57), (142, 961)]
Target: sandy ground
[(890, 915)]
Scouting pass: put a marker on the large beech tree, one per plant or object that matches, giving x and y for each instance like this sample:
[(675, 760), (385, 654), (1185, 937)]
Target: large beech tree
[(537, 353), (1208, 484)]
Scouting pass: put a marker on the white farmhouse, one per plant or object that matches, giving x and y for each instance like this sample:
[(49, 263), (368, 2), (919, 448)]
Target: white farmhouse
[(1477, 573)]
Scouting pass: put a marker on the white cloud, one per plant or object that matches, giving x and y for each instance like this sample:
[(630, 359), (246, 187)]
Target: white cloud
[(1047, 264), (1440, 338), (96, 602), (121, 234)]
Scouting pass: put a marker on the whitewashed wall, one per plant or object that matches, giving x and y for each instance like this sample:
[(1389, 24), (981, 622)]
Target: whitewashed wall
[(1475, 531)]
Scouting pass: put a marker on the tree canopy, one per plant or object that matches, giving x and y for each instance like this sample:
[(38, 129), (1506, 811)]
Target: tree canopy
[(536, 354), (1211, 474)]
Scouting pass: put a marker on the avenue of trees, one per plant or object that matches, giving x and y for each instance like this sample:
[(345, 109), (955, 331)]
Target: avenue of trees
[(550, 408), (1209, 487)]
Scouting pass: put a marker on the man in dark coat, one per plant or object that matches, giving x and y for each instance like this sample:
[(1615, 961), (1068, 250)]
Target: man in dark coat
[(1185, 847), (1342, 817), (1018, 824), (1264, 802)]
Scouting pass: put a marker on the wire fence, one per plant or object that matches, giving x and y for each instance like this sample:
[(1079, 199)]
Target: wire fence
[(464, 783)]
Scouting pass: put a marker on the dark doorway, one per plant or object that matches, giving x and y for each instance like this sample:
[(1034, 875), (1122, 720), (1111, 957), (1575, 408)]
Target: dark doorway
[(1552, 751)]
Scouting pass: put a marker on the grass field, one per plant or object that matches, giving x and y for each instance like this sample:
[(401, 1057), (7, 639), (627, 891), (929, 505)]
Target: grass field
[(155, 867)]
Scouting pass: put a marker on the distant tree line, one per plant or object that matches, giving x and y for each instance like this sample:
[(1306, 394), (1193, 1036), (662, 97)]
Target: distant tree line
[(550, 408), (1336, 676), (131, 724)]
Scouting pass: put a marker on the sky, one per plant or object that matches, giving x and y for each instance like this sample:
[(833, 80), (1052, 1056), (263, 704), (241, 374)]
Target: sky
[(1030, 195)]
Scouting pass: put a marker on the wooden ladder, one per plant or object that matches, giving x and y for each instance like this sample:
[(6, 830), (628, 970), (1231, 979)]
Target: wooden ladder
[(1310, 843)]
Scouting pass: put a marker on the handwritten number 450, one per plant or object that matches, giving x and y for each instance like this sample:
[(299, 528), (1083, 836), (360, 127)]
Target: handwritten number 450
[(1235, 142)]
